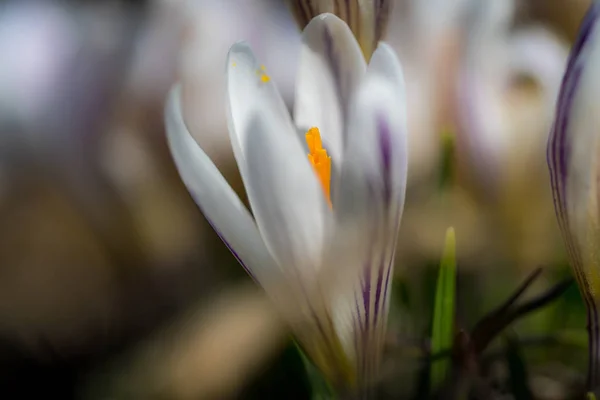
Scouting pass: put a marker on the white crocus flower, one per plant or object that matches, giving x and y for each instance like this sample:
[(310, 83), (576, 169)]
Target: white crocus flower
[(322, 234), (495, 142)]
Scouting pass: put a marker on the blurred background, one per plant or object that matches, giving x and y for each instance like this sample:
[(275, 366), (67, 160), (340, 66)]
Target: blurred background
[(113, 285)]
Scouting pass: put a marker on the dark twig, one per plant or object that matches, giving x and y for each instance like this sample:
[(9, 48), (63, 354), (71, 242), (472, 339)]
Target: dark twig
[(542, 300), (520, 290), (496, 321)]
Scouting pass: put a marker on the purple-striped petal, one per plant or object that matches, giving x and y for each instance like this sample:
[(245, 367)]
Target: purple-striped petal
[(330, 68), (368, 212), (572, 152)]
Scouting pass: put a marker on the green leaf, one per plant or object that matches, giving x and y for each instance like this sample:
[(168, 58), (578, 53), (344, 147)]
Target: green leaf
[(321, 390), (591, 396), (443, 313)]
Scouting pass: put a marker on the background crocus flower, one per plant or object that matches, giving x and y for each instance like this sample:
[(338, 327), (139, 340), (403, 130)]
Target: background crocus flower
[(573, 162), (489, 118), (505, 73), (368, 20), (322, 237), (425, 34)]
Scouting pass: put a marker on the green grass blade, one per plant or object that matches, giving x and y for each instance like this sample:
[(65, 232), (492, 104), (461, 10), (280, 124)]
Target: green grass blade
[(443, 313)]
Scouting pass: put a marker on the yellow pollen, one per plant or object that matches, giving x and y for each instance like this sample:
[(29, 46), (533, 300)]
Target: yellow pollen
[(319, 159), (233, 64), (263, 75)]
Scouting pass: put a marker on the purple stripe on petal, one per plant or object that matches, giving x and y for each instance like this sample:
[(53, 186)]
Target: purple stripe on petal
[(301, 10), (382, 268), (557, 145), (395, 227), (382, 13), (366, 294), (361, 324), (367, 267), (353, 16), (348, 12), (558, 151), (374, 284), (385, 150)]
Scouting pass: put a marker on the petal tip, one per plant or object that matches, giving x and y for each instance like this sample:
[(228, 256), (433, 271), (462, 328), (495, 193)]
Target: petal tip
[(324, 20), (240, 52)]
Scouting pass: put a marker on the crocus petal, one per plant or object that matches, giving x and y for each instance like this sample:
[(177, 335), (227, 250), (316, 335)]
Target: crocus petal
[(217, 200), (368, 20), (330, 67), (287, 200), (385, 64), (572, 146), (366, 169), (292, 215), (372, 190), (248, 84), (573, 149)]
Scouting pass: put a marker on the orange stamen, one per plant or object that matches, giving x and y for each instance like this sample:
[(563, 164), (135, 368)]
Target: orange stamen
[(320, 161)]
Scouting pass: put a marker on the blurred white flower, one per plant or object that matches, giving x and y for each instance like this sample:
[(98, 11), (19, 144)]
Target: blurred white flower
[(322, 237), (59, 79), (425, 34), (37, 42), (500, 131)]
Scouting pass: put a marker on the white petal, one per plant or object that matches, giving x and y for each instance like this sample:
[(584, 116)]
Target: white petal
[(286, 198), (375, 160), (386, 65), (330, 67), (368, 213), (574, 149), (217, 200), (368, 20), (247, 85)]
